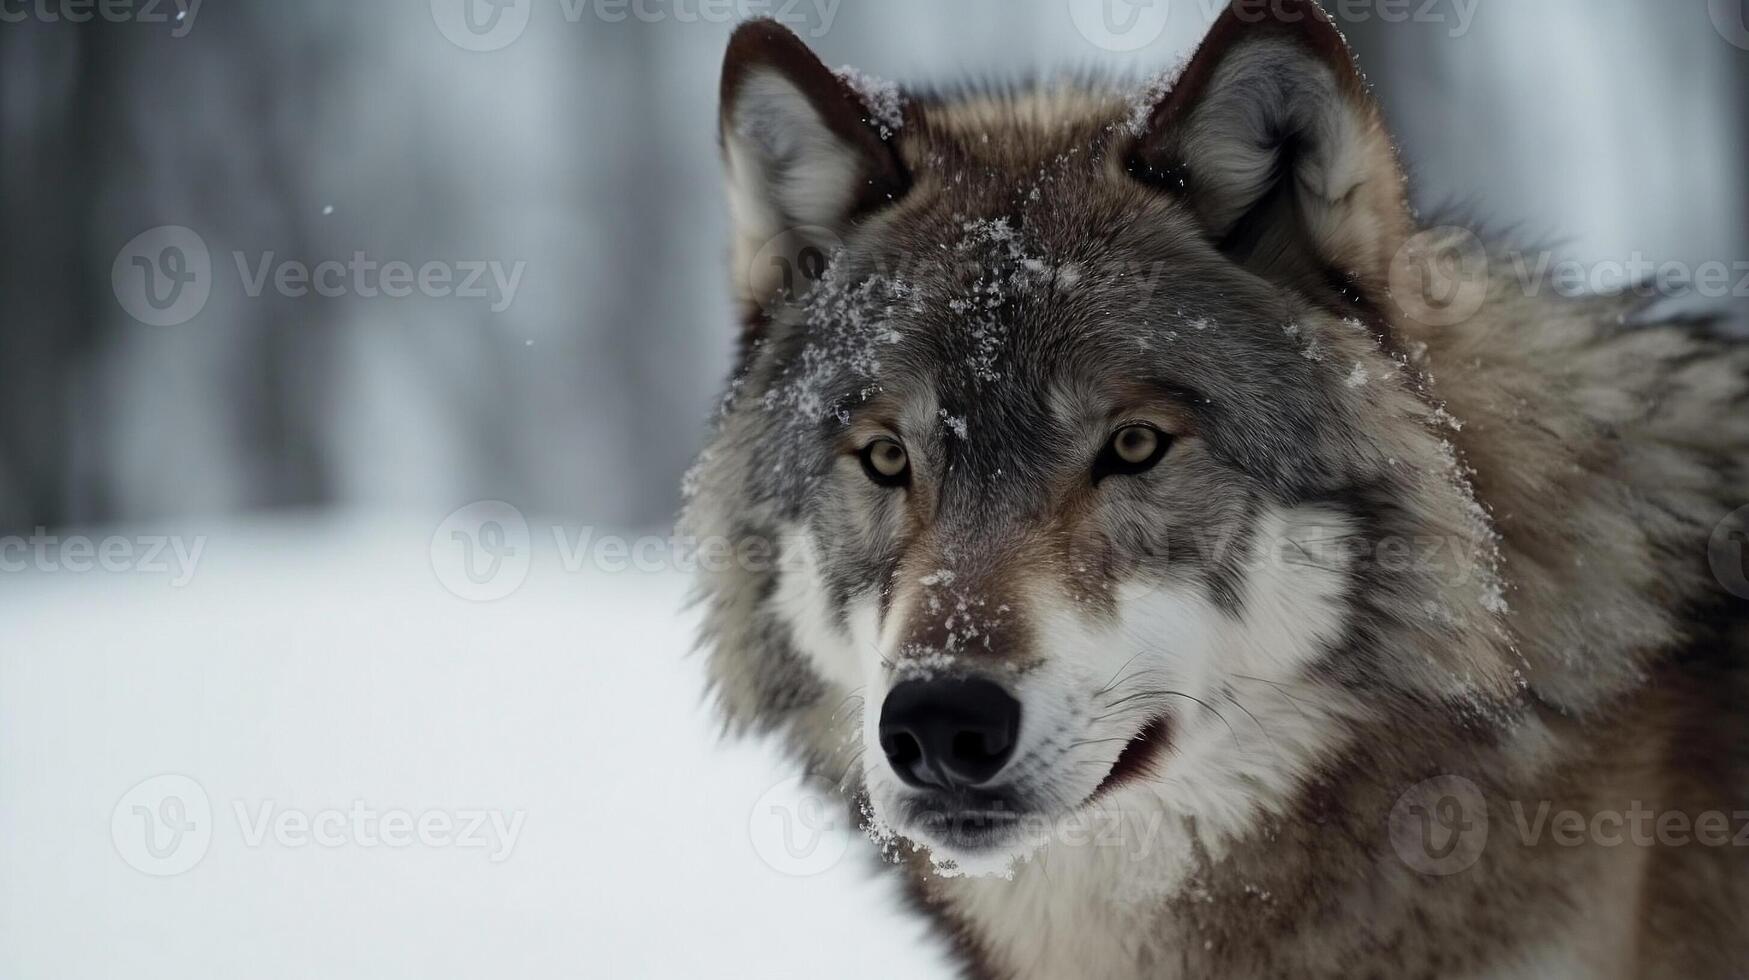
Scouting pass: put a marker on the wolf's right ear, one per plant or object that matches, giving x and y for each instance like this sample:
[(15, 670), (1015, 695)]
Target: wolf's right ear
[(805, 150), (1272, 137)]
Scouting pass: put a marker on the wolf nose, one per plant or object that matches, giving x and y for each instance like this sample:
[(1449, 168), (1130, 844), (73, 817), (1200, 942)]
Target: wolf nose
[(949, 733)]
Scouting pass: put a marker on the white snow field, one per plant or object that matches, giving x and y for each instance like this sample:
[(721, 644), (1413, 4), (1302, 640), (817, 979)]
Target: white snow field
[(314, 760)]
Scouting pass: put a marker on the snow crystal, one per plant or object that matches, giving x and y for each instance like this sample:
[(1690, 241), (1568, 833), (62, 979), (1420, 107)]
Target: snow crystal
[(851, 326), (988, 229), (1482, 530), (1494, 598), (881, 98), (1142, 106), (1358, 377), (995, 247), (956, 424)]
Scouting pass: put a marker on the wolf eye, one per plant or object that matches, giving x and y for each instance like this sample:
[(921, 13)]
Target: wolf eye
[(1133, 449), (886, 463)]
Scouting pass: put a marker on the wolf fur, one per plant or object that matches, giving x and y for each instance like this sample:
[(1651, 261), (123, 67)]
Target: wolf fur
[(1390, 544)]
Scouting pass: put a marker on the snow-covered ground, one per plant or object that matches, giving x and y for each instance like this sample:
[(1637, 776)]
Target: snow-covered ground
[(314, 759)]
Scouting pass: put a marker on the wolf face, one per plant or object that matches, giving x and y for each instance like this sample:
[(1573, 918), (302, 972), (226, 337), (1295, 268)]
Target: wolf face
[(1086, 492), (1083, 430)]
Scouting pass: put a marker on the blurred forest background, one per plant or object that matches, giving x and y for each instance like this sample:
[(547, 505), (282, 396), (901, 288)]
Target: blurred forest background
[(586, 150)]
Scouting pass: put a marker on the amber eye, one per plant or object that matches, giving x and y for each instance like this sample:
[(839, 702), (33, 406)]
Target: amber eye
[(886, 463), (1132, 449)]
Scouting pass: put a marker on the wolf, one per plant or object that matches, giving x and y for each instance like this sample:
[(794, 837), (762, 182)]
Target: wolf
[(1185, 561)]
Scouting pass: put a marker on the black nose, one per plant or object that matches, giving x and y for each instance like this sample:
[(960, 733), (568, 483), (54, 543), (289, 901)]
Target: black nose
[(949, 733)]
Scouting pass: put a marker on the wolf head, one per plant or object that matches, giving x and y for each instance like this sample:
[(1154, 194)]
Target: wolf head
[(1078, 459)]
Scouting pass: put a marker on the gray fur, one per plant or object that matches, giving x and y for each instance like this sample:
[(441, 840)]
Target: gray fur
[(1567, 642)]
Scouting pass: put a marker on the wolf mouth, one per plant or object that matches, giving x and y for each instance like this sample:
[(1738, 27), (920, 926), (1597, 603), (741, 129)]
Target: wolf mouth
[(1138, 759), (969, 824), (984, 822)]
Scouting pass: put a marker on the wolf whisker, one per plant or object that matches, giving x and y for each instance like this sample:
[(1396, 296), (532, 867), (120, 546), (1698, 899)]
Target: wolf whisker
[(1280, 691), (1095, 741), (1191, 697), (1234, 701), (855, 695), (1109, 685)]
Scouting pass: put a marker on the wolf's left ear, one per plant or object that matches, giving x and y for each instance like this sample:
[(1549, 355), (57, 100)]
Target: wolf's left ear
[(1272, 138), (806, 151)]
